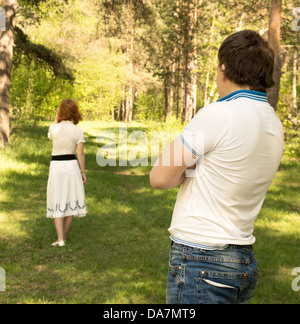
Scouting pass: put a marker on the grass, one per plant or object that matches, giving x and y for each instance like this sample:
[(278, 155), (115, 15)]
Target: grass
[(119, 252)]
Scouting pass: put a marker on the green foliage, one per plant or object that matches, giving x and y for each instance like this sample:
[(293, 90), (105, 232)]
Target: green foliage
[(36, 92), (100, 83), (110, 46), (150, 105)]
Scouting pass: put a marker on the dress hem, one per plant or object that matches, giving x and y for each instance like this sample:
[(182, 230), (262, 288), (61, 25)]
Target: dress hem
[(64, 216)]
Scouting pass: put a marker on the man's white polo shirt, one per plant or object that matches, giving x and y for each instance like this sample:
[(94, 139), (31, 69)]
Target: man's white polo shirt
[(239, 145)]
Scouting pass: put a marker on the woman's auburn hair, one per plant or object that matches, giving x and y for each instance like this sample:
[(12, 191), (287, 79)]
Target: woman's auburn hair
[(69, 110)]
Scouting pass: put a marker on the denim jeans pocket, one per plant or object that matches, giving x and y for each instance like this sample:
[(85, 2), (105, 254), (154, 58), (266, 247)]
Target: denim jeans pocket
[(219, 287)]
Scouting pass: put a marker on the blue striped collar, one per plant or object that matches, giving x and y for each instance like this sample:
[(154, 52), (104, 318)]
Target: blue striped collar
[(250, 94)]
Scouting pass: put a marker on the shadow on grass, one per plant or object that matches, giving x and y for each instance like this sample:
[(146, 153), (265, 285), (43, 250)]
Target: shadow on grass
[(119, 252), (278, 237)]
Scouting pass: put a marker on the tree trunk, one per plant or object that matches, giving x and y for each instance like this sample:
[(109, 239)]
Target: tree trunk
[(130, 52), (295, 64), (193, 99), (172, 86), (178, 63), (274, 40), (122, 106), (6, 52), (129, 104), (178, 95), (206, 96), (189, 75), (166, 101)]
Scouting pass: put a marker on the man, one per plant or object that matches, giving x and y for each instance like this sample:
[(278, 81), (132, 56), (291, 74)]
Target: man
[(235, 146)]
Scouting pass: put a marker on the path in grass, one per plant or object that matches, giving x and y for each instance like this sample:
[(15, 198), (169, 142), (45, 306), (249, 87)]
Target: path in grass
[(119, 252)]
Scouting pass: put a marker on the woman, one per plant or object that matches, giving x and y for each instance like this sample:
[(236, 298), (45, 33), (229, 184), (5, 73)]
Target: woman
[(65, 191)]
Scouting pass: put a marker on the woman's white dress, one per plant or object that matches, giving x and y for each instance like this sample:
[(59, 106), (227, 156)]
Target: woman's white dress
[(65, 190)]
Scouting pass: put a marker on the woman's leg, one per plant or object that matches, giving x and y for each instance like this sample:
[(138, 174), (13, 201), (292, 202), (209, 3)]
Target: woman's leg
[(67, 224), (59, 225)]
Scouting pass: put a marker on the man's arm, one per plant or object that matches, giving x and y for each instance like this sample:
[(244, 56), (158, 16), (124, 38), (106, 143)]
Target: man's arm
[(169, 170)]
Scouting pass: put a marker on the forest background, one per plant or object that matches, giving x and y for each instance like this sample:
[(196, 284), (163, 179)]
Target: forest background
[(138, 59)]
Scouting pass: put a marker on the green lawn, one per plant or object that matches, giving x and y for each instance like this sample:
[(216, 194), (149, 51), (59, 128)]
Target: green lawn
[(119, 252)]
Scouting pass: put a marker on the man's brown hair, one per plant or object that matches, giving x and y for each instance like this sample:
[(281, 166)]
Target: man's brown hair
[(68, 110), (248, 60)]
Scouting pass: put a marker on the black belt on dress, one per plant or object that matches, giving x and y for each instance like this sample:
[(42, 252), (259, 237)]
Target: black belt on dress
[(69, 157)]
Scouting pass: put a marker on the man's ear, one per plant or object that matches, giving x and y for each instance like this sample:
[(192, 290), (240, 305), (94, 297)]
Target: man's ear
[(223, 69)]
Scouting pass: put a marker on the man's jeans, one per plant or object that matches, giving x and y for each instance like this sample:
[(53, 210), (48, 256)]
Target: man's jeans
[(211, 277)]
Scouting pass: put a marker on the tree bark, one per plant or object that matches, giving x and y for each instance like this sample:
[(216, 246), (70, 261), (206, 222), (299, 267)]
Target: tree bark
[(172, 86), (185, 53), (6, 53), (274, 40), (178, 61), (129, 104), (130, 50), (43, 53), (206, 96), (295, 64), (189, 75), (166, 99)]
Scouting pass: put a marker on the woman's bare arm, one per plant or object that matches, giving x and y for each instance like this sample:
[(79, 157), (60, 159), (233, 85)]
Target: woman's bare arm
[(81, 160)]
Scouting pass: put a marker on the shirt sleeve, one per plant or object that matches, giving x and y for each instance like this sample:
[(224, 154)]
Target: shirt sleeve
[(204, 132), (50, 133), (81, 138)]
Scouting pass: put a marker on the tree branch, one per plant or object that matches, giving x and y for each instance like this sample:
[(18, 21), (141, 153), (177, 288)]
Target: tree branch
[(42, 53)]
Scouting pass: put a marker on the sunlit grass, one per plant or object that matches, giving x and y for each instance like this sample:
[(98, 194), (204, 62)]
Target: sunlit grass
[(119, 252)]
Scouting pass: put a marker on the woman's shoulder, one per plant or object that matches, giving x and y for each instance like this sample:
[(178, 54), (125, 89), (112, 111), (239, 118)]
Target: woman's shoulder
[(78, 128), (79, 135), (67, 124), (52, 127)]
